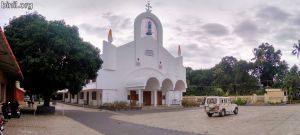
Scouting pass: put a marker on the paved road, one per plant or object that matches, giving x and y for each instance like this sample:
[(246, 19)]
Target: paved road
[(251, 120), (101, 121)]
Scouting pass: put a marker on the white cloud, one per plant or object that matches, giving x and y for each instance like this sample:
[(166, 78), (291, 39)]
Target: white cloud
[(206, 30)]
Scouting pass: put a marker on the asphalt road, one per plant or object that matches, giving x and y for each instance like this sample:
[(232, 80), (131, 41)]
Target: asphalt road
[(102, 122)]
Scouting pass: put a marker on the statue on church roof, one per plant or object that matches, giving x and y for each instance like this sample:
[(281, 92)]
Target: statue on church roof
[(149, 32)]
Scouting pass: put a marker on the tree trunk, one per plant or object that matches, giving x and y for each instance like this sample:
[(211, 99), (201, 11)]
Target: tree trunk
[(46, 100)]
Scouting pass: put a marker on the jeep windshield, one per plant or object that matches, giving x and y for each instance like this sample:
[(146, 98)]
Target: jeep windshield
[(211, 101)]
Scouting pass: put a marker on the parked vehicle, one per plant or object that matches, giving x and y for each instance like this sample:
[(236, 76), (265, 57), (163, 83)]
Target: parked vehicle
[(219, 105), (6, 110), (11, 109), (2, 122)]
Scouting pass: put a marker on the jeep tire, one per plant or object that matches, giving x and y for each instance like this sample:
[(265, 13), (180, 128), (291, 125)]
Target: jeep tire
[(236, 111), (222, 113), (209, 114)]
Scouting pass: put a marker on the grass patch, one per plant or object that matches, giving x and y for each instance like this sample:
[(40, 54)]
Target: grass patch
[(240, 101)]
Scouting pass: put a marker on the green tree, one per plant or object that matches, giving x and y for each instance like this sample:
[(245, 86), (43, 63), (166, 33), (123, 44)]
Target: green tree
[(292, 82), (199, 82), (244, 82), (224, 74), (266, 63), (51, 55), (233, 76), (283, 69)]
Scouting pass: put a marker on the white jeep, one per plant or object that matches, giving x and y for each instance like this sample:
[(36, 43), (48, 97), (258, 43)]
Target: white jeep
[(219, 105)]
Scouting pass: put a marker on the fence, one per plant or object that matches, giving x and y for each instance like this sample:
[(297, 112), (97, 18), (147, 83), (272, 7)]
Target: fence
[(251, 99)]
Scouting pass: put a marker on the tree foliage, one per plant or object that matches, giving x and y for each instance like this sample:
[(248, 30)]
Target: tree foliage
[(229, 77), (267, 62), (51, 55), (238, 77), (233, 76), (292, 82)]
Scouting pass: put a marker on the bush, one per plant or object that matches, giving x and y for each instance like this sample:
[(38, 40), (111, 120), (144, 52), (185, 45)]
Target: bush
[(240, 101), (189, 103), (118, 105)]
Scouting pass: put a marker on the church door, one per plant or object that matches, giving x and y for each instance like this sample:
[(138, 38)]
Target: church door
[(147, 97), (133, 95), (159, 98)]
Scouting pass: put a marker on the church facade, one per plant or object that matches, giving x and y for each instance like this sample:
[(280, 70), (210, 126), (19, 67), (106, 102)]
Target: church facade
[(141, 71)]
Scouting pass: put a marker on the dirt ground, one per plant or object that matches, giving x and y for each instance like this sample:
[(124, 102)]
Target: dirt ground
[(258, 120)]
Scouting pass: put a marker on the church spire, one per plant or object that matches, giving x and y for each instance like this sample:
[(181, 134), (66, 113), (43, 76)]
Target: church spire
[(110, 38), (179, 51), (148, 7)]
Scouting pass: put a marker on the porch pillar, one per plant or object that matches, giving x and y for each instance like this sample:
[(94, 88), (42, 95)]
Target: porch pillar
[(155, 97), (140, 97), (90, 98), (180, 98), (167, 98)]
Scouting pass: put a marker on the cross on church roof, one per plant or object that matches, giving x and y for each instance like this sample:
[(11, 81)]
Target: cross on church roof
[(148, 7)]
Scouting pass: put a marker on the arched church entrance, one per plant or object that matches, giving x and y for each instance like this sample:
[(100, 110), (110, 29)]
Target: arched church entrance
[(152, 86), (176, 94), (167, 86), (179, 85)]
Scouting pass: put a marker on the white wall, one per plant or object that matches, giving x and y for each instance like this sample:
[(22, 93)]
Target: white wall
[(120, 67), (73, 100)]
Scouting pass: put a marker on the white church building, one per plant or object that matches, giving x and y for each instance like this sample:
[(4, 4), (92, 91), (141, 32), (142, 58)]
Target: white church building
[(141, 71)]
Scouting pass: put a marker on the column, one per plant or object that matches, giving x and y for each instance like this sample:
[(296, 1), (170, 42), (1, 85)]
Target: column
[(155, 97), (167, 98), (140, 97), (180, 98), (90, 98)]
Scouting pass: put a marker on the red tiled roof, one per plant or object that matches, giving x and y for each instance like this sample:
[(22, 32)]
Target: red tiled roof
[(11, 59)]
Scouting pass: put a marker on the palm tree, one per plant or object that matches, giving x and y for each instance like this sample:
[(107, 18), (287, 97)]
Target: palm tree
[(296, 50)]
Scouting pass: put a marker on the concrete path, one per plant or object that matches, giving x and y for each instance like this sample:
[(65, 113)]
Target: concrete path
[(101, 121), (46, 125)]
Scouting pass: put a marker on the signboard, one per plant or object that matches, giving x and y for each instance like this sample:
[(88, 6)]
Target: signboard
[(149, 53)]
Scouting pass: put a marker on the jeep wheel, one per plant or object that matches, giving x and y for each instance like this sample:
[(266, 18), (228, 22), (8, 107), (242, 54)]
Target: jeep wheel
[(236, 111), (209, 114), (222, 113)]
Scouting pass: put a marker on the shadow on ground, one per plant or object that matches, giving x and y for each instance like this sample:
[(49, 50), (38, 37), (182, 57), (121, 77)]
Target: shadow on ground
[(101, 122)]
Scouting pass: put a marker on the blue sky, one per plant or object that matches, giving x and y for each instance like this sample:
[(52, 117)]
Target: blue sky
[(207, 30)]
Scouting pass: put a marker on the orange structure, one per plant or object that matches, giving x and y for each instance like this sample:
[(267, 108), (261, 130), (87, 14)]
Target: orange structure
[(10, 72)]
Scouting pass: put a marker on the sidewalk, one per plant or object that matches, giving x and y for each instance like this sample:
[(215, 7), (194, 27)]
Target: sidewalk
[(46, 125)]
